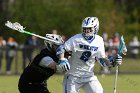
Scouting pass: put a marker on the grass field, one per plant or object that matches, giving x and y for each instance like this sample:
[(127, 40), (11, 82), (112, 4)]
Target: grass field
[(126, 84)]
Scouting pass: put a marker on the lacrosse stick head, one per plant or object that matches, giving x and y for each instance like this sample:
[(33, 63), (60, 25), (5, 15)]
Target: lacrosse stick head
[(122, 50), (15, 26)]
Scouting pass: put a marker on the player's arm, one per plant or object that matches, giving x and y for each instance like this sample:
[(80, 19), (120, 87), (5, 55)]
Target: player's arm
[(62, 53), (107, 62), (111, 61), (66, 49), (60, 66), (48, 62), (63, 64)]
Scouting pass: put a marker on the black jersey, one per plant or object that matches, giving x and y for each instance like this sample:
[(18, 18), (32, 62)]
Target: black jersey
[(35, 73)]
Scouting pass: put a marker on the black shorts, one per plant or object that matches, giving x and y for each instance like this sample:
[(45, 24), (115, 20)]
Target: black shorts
[(33, 88)]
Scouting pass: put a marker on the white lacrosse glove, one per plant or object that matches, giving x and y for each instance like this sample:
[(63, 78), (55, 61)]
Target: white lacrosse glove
[(118, 60), (63, 65)]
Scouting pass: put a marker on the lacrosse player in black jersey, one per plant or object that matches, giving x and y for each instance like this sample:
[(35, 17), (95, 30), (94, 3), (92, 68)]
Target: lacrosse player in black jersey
[(44, 65)]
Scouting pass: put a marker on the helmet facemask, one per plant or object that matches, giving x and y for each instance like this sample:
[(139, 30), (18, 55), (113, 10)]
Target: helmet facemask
[(51, 46), (88, 31)]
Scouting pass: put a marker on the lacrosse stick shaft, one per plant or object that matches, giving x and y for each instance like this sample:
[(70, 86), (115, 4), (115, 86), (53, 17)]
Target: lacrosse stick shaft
[(115, 81), (29, 33)]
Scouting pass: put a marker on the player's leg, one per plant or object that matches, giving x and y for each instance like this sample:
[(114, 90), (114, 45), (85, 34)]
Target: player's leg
[(93, 86), (71, 84), (33, 88)]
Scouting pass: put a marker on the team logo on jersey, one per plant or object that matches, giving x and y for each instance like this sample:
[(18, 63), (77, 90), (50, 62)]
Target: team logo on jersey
[(87, 47)]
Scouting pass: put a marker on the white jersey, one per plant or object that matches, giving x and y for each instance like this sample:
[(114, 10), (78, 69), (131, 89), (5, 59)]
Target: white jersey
[(84, 54)]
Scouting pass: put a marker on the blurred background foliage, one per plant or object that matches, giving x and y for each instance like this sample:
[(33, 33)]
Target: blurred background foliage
[(42, 16)]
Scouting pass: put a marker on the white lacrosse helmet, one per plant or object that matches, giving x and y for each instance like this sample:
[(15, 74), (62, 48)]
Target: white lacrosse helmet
[(53, 39), (90, 26)]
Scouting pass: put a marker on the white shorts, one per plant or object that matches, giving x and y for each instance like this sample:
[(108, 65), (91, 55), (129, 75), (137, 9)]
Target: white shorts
[(72, 84)]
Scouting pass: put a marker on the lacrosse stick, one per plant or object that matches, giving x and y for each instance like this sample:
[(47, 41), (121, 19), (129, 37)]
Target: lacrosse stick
[(16, 26), (121, 51)]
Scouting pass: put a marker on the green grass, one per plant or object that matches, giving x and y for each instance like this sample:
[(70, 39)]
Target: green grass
[(8, 84), (125, 84)]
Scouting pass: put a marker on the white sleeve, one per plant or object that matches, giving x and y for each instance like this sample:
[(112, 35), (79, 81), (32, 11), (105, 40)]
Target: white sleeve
[(101, 52), (46, 61), (69, 46)]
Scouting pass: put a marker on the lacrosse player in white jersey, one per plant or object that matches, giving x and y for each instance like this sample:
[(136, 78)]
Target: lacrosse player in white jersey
[(85, 49)]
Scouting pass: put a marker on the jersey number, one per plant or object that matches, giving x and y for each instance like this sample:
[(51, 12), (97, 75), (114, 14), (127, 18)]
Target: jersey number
[(85, 56)]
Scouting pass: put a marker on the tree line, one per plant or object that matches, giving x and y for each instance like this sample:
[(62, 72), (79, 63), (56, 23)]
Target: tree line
[(42, 16)]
